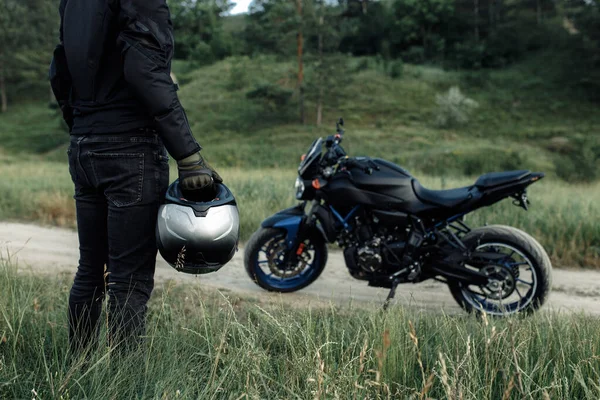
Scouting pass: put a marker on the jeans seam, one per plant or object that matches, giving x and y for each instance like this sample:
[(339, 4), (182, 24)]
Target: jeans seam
[(157, 175), (79, 164)]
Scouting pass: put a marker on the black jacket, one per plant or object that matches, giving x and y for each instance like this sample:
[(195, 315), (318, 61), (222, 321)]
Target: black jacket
[(111, 71)]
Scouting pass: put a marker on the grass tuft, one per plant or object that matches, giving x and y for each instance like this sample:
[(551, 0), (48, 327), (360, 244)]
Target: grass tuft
[(55, 208), (562, 216), (202, 345)]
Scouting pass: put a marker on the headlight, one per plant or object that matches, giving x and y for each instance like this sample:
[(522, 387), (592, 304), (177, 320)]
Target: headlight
[(299, 188)]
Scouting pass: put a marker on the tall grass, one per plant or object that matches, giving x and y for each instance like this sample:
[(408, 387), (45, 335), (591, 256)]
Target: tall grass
[(203, 345), (523, 121), (562, 217), (42, 191)]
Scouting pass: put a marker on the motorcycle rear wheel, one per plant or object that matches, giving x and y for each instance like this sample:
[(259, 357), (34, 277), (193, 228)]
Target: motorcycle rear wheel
[(523, 278)]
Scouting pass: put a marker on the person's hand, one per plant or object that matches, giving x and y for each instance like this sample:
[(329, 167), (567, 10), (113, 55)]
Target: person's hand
[(196, 174)]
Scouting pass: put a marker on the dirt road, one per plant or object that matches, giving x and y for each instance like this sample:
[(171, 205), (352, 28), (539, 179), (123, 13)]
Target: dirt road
[(53, 250)]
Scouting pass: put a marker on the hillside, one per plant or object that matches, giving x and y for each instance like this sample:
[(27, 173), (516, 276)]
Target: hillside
[(524, 120)]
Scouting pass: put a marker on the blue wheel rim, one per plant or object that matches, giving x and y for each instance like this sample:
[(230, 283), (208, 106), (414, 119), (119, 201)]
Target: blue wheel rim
[(522, 299), (287, 283)]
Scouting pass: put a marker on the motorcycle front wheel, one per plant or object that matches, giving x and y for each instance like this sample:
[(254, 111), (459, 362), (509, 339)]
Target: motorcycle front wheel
[(264, 260)]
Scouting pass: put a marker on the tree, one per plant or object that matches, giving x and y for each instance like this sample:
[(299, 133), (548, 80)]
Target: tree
[(275, 25), (584, 66), (328, 67), (310, 30), (272, 27), (28, 32), (321, 89), (199, 30), (300, 52), (421, 22), (364, 29)]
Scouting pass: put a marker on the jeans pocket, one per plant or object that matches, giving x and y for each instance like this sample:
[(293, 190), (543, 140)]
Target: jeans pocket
[(120, 175)]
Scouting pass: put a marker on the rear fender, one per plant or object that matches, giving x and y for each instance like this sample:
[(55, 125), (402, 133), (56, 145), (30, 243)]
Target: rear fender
[(496, 194)]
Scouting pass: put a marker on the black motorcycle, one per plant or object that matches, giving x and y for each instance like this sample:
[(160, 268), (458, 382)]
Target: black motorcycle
[(393, 230)]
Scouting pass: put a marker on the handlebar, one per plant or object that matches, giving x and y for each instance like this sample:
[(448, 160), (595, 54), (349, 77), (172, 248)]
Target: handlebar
[(333, 140), (366, 164)]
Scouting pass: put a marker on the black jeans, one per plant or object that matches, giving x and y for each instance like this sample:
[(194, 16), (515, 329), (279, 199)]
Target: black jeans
[(120, 182)]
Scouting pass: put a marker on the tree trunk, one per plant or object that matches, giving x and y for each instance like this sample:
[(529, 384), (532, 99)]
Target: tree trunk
[(320, 95), (3, 99), (492, 14), (364, 6), (476, 19), (538, 4), (300, 62), (498, 9), (424, 34)]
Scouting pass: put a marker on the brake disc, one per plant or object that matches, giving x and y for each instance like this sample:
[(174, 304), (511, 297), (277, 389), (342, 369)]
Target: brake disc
[(275, 255)]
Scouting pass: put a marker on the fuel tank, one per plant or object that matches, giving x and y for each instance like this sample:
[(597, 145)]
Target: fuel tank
[(378, 184)]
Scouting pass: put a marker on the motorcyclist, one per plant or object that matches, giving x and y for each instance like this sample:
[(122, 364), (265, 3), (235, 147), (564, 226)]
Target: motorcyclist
[(111, 77)]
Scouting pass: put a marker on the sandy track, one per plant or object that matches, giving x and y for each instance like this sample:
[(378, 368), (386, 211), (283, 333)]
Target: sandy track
[(53, 250)]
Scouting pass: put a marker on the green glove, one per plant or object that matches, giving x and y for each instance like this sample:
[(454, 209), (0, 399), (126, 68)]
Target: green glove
[(196, 174)]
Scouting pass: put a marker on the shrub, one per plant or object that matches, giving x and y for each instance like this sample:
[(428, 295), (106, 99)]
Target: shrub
[(396, 69), (468, 55), (582, 164), (454, 108), (476, 79), (201, 54), (272, 96), (362, 65), (238, 74), (504, 47), (414, 55)]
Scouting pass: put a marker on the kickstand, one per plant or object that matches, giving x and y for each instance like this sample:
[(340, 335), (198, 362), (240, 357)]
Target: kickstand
[(391, 294)]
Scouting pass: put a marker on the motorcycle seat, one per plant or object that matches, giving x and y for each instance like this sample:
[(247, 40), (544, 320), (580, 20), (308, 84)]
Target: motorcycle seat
[(500, 178), (444, 198)]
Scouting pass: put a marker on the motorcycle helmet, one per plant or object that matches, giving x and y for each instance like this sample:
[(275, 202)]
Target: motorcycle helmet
[(198, 236)]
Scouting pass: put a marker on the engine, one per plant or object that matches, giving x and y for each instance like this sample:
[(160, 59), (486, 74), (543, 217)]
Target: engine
[(369, 256), (371, 248)]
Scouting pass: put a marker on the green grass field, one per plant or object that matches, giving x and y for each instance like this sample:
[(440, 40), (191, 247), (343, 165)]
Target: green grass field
[(562, 217), (524, 120), (205, 345)]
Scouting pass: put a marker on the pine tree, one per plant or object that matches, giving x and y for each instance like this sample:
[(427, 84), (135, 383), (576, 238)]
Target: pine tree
[(28, 33)]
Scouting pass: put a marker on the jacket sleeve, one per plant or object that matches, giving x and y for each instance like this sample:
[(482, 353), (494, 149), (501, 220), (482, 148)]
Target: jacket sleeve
[(146, 43), (59, 75)]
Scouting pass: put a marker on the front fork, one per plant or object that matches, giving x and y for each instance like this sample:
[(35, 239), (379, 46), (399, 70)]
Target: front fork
[(296, 243)]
